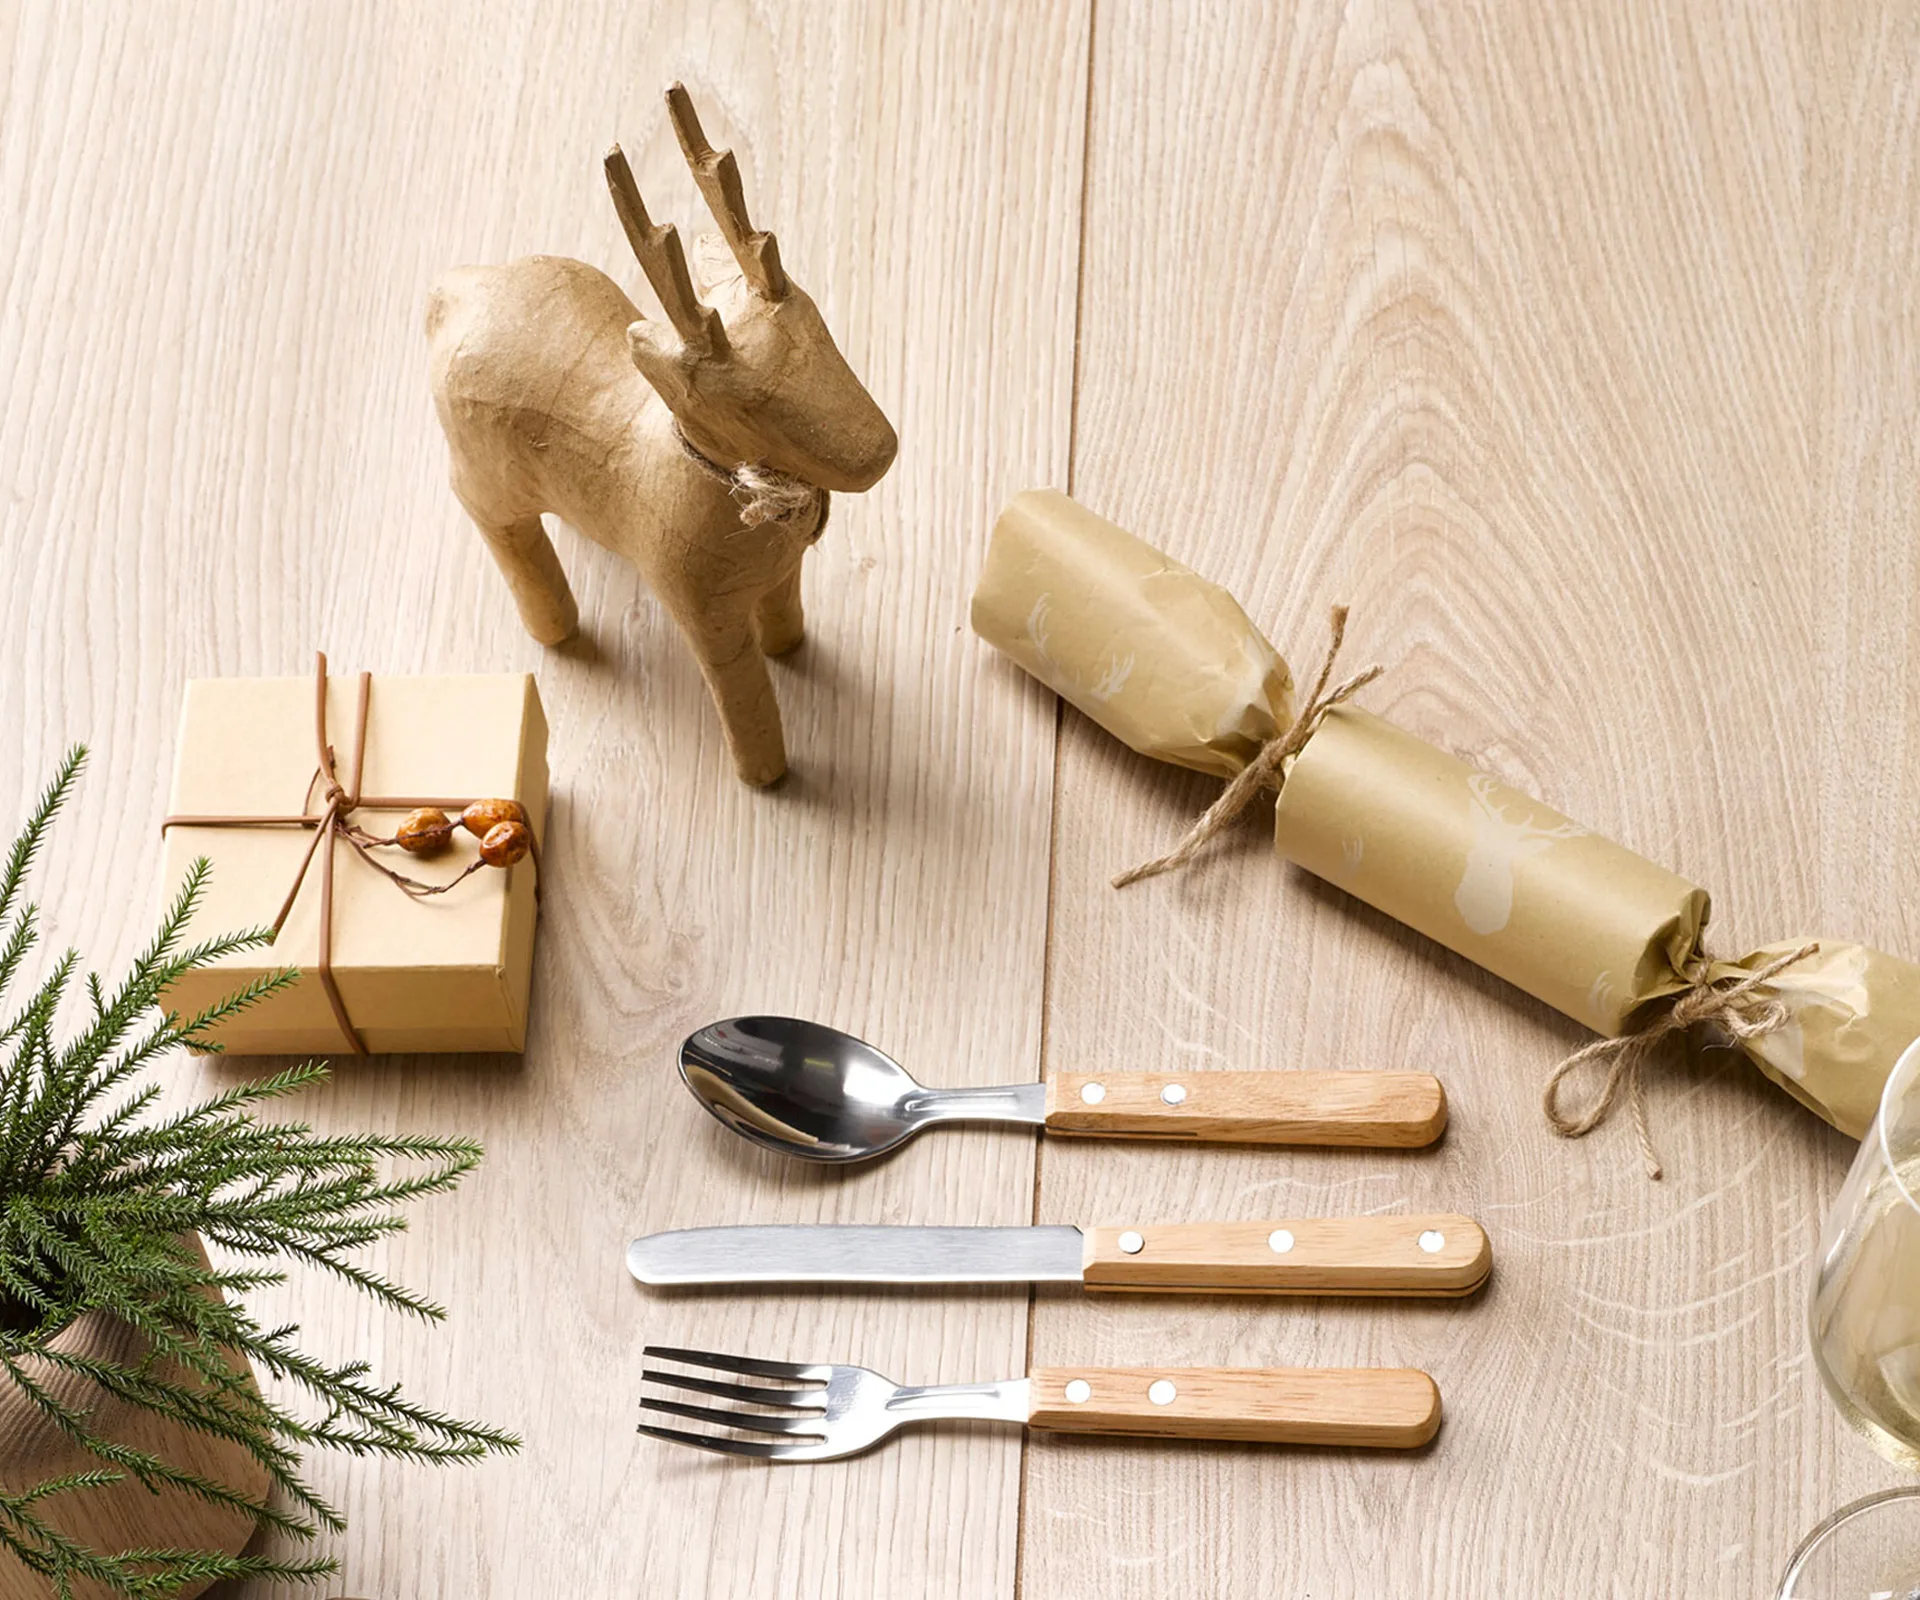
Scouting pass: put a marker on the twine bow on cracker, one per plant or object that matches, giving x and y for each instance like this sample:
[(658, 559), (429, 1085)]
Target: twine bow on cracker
[(1263, 771), (1734, 1004), (764, 494), (334, 822)]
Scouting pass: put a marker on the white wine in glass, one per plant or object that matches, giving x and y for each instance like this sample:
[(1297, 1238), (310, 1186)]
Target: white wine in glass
[(1865, 1322), (1865, 1314)]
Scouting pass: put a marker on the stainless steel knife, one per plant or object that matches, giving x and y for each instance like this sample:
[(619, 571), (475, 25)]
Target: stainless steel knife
[(1379, 1255)]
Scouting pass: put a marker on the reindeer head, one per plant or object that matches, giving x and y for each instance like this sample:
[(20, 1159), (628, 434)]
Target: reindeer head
[(751, 373), (1497, 845)]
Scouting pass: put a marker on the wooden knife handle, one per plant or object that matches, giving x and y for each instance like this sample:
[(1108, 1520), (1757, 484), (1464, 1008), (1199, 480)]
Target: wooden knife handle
[(1384, 1255), (1385, 1407), (1397, 1110)]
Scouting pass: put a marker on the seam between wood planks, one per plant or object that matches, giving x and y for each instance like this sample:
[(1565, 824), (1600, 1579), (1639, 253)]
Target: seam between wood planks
[(1053, 808)]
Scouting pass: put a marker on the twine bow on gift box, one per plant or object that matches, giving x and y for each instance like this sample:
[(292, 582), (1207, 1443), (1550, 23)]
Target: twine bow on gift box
[(511, 836)]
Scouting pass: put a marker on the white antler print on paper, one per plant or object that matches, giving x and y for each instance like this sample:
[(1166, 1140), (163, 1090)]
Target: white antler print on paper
[(1499, 844), (1056, 677), (1603, 1002), (1835, 984)]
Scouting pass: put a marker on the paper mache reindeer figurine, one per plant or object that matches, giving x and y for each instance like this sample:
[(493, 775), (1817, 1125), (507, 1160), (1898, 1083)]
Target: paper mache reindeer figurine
[(702, 450)]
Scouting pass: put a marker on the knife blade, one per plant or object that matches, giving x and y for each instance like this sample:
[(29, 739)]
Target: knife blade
[(1380, 1255), (847, 1254)]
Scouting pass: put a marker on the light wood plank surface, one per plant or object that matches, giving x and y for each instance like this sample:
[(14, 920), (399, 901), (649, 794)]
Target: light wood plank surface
[(222, 454), (1572, 346), (1575, 346)]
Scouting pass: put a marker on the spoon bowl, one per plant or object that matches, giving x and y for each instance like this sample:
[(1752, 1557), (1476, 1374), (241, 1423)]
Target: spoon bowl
[(805, 1089)]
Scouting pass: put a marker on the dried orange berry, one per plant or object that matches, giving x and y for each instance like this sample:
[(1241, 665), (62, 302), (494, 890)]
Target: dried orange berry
[(480, 818), (424, 831), (505, 843)]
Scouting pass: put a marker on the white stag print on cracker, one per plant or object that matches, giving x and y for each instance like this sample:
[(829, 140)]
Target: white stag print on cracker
[(1594, 930), (1502, 840)]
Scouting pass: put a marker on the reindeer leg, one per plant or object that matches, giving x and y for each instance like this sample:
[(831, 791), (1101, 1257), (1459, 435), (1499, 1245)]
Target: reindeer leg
[(526, 560), (736, 675), (778, 621)]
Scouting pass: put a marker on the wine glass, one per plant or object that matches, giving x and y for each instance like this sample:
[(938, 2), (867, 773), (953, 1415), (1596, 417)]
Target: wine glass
[(1869, 1550), (1864, 1319), (1865, 1313)]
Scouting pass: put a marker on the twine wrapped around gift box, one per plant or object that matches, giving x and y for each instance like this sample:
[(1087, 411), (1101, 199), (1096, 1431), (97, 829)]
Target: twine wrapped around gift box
[(1170, 664), (334, 822)]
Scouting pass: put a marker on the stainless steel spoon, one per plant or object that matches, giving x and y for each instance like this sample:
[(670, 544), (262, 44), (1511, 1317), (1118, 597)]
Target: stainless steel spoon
[(805, 1089)]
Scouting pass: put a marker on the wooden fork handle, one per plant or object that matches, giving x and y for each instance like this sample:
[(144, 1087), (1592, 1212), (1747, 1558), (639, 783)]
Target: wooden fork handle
[(1394, 1110), (1385, 1407), (1379, 1255)]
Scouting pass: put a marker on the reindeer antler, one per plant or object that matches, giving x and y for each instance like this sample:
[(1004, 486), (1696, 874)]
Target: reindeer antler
[(718, 176), (664, 262)]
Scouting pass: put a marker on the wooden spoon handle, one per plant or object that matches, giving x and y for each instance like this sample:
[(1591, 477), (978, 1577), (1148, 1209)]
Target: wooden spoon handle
[(1386, 1407), (1383, 1109), (1382, 1255)]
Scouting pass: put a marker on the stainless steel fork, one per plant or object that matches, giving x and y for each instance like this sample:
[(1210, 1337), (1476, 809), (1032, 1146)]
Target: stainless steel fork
[(820, 1413)]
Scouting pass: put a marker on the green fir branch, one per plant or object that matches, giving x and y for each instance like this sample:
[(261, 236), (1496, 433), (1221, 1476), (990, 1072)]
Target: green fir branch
[(100, 1194)]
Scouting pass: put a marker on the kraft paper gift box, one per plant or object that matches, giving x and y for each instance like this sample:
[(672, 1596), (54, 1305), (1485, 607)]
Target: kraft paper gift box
[(444, 972), (1170, 664)]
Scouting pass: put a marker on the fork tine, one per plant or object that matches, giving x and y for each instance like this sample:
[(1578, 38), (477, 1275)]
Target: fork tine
[(791, 1371), (796, 1399), (766, 1450), (812, 1427)]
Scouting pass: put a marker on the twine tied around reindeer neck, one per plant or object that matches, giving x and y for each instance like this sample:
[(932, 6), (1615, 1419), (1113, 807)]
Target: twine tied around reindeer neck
[(1734, 1004), (764, 494), (1263, 771), (334, 821)]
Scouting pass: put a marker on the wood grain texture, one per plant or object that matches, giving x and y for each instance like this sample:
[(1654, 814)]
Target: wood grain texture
[(1575, 345), (1341, 1409), (1572, 346), (221, 221), (1394, 1110), (1389, 1255)]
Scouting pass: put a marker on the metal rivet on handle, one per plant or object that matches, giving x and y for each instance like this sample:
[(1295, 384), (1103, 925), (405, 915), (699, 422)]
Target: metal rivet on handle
[(1433, 1241), (1093, 1093), (1174, 1093), (1079, 1391), (1280, 1241), (1162, 1393), (1131, 1243)]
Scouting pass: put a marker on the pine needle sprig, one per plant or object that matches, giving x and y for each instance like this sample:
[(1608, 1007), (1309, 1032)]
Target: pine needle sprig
[(101, 1197)]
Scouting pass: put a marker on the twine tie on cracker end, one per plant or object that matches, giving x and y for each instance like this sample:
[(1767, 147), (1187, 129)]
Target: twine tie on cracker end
[(1263, 771), (763, 494), (1730, 1003), (339, 800)]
